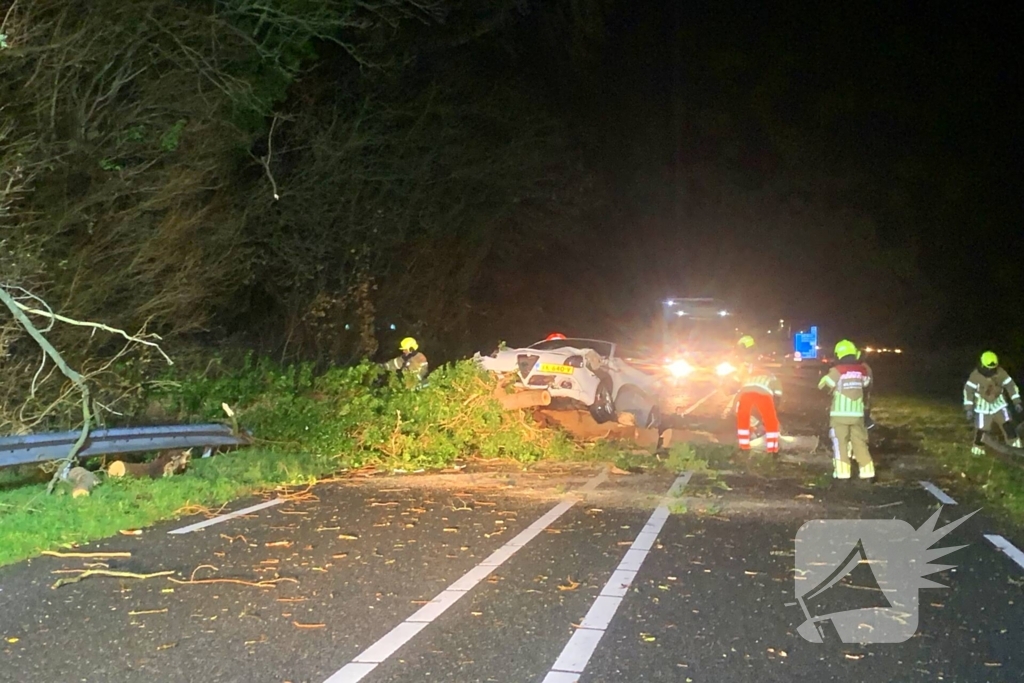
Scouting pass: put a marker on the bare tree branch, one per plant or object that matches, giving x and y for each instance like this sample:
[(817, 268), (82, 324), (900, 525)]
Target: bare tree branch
[(98, 326), (71, 374)]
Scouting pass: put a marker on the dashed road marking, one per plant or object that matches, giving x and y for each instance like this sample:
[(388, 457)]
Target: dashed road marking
[(370, 658), (941, 495), (223, 518), (1009, 549), (584, 641)]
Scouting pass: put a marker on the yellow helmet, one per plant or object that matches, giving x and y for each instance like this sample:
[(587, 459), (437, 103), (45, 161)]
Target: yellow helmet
[(746, 341), (409, 344), (846, 348), (989, 359)]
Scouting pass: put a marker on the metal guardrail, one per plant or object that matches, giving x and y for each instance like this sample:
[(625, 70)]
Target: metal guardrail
[(33, 448)]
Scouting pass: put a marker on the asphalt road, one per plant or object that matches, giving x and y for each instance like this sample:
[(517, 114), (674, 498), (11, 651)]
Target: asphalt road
[(557, 574)]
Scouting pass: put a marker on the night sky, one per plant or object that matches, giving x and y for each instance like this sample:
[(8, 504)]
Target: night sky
[(856, 166)]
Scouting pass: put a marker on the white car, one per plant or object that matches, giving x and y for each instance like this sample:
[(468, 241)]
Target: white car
[(583, 370)]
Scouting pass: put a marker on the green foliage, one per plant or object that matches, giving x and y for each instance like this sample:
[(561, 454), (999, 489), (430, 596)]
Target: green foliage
[(170, 140), (683, 457), (344, 418), (678, 507)]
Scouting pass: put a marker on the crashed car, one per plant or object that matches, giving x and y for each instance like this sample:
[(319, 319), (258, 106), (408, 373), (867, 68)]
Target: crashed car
[(586, 371)]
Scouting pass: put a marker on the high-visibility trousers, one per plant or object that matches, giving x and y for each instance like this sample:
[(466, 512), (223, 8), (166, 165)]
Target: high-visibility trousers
[(983, 423), (849, 434), (764, 404)]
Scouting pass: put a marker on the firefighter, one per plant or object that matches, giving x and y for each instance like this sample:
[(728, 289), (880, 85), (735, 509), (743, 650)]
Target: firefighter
[(985, 394), (411, 365), (846, 381), (760, 390)]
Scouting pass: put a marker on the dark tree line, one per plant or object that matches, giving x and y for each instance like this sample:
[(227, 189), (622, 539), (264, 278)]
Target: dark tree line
[(294, 175), (297, 176)]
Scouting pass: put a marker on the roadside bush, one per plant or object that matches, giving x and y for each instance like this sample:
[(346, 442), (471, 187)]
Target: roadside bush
[(349, 416)]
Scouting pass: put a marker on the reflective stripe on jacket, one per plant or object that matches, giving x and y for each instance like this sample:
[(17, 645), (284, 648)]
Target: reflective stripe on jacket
[(763, 383), (987, 395), (847, 383)]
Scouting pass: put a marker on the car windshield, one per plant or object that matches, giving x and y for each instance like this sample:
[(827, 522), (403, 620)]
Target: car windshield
[(602, 348)]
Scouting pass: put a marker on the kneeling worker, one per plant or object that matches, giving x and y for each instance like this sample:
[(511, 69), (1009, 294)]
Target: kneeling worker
[(411, 365), (847, 381), (985, 401), (762, 392)]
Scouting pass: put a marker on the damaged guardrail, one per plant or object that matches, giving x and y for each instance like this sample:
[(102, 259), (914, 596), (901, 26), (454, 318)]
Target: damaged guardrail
[(37, 448)]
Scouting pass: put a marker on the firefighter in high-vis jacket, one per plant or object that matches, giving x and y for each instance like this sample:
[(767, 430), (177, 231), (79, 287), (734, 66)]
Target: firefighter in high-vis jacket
[(846, 381), (760, 391), (985, 395), (412, 365)]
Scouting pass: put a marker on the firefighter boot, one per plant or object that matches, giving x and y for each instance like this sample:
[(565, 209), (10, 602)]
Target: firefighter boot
[(867, 471), (842, 469), (977, 450)]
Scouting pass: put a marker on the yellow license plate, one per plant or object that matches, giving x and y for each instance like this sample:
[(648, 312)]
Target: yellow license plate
[(557, 369)]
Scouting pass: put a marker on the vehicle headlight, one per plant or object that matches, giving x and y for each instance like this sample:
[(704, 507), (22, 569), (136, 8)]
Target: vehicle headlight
[(724, 369), (680, 368)]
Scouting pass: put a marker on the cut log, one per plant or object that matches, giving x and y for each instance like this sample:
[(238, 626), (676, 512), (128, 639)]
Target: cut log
[(524, 399), (582, 426), (166, 464), (82, 481)]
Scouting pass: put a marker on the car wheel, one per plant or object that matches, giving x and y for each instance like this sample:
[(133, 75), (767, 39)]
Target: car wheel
[(603, 408)]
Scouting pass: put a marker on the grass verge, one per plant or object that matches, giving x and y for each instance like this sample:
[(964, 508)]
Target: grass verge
[(939, 430), (32, 521)]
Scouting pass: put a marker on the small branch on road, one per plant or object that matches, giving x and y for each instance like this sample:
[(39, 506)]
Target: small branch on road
[(192, 580), (86, 573), (93, 556), (270, 583)]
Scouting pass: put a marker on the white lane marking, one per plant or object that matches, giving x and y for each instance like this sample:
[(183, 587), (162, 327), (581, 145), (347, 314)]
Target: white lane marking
[(223, 518), (698, 404), (581, 646), (941, 495), (1008, 548), (370, 658), (561, 677)]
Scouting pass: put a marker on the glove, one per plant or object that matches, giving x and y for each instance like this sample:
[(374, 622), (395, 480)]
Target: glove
[(970, 414), (868, 422)]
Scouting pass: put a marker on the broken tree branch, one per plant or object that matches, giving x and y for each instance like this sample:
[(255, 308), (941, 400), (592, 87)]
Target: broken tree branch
[(265, 161), (97, 326), (71, 374)]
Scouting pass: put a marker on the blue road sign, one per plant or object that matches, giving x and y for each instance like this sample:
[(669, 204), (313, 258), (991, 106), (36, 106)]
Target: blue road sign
[(806, 343)]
